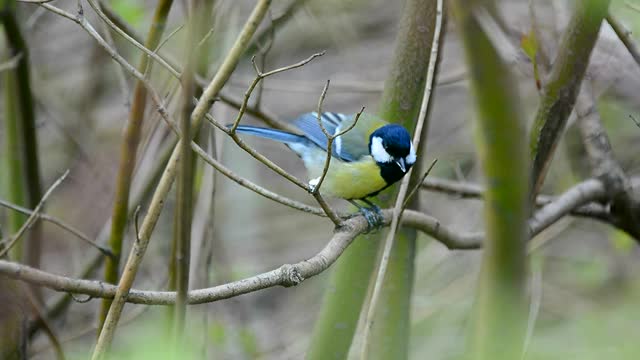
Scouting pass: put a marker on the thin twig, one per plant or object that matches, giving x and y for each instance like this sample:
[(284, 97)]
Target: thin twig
[(330, 137), (418, 184), (122, 79), (315, 188), (80, 235), (33, 217), (634, 120), (170, 65), (259, 77), (625, 36), (126, 36), (254, 187), (261, 114), (404, 186), (164, 185), (232, 130), (167, 38), (171, 123)]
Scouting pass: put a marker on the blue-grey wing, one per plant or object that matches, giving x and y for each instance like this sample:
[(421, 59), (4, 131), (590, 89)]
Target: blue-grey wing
[(308, 124)]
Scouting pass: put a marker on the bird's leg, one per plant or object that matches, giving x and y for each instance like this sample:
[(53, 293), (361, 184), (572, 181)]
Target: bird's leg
[(371, 214), (376, 209), (373, 207)]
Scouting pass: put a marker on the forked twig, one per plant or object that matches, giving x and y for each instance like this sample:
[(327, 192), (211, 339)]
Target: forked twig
[(314, 189), (33, 217)]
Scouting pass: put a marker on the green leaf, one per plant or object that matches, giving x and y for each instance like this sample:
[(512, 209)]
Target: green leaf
[(131, 11)]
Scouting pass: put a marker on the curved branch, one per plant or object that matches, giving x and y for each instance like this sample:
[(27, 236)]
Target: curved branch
[(293, 274)]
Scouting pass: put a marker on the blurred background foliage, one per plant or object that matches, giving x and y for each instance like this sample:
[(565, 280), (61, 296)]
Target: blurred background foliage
[(587, 294)]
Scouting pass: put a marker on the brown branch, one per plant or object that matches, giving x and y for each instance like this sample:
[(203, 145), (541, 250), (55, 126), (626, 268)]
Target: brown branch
[(32, 218), (290, 275), (467, 190), (79, 234), (625, 203), (254, 187), (418, 184), (261, 114), (315, 188), (625, 36), (164, 185), (234, 136), (171, 123)]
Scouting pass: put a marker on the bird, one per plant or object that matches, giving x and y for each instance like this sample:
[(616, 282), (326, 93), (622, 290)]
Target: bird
[(366, 160)]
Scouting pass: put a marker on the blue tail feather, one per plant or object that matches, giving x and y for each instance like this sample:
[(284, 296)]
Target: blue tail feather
[(272, 134)]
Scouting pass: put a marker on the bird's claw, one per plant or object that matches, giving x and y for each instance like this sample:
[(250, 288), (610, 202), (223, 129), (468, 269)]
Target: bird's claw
[(374, 217)]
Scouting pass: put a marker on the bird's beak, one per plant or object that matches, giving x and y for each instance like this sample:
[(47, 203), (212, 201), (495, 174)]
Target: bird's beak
[(401, 164)]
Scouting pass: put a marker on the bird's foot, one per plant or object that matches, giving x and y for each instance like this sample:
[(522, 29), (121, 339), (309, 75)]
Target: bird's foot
[(372, 214), (374, 217)]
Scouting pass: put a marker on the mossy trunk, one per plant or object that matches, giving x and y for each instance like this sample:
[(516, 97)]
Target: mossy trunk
[(348, 288)]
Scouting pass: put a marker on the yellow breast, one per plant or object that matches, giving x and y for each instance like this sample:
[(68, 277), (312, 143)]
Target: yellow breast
[(350, 180)]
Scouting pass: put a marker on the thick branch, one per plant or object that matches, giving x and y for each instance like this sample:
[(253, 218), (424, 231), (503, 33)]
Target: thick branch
[(625, 203), (289, 275)]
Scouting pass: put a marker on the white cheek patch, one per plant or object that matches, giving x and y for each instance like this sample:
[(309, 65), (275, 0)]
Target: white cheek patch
[(378, 152), (411, 158)]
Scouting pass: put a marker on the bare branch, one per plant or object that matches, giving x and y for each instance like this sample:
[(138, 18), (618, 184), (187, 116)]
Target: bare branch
[(232, 131), (59, 223), (259, 77), (164, 185), (625, 203), (583, 193), (32, 218), (625, 36), (418, 184), (289, 275), (315, 188), (254, 187)]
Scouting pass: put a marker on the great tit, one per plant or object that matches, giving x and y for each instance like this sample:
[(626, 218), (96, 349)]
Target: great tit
[(366, 160)]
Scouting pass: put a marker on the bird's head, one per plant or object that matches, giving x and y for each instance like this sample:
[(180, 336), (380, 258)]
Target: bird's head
[(391, 148)]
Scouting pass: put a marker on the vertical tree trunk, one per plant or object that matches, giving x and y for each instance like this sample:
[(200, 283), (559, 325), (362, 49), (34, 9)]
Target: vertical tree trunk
[(338, 318)]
